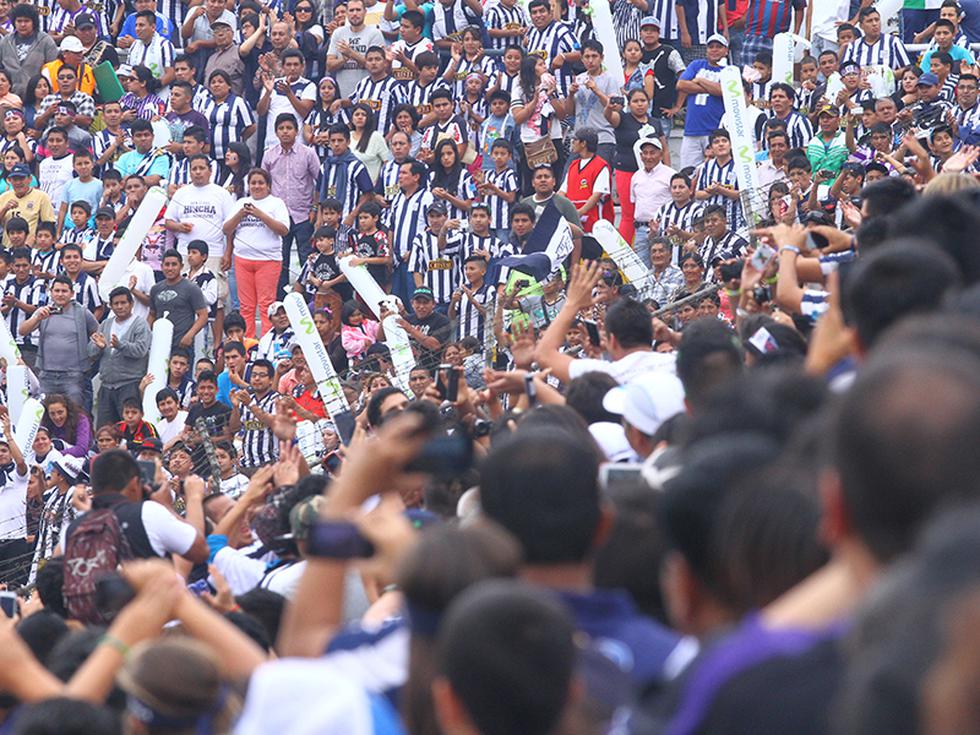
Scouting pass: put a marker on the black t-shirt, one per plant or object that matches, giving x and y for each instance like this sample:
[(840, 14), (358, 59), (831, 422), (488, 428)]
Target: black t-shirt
[(435, 325), (325, 268), (216, 417), (626, 135)]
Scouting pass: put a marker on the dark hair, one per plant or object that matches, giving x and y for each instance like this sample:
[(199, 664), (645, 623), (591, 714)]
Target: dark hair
[(708, 355), (340, 129), (239, 176), (22, 10), (585, 394), (784, 88), (112, 471), (589, 136), (265, 606), (207, 376), (690, 504), (144, 75), (75, 414), (172, 253), (50, 583), (370, 125), (446, 178), (887, 195), (267, 364), (440, 94), (292, 53), (139, 125), (62, 281), (286, 117), (415, 17), (506, 650), (629, 322), (543, 488), (866, 11), (904, 443), (373, 408), (527, 76), (592, 45), (65, 716), (895, 280), (525, 209), (426, 58)]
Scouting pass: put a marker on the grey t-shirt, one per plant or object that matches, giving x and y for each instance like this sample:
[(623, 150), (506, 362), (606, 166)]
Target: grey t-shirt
[(179, 302), (350, 74), (566, 208), (59, 343), (588, 108)]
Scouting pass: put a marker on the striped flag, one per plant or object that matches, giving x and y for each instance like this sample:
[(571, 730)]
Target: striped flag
[(549, 243)]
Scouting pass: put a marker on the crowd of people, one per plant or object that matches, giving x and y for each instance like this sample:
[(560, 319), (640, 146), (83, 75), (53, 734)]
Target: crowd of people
[(620, 405)]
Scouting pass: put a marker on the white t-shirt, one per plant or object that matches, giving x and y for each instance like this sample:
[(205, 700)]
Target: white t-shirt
[(304, 89), (627, 368), (13, 506), (166, 532), (207, 208), (53, 174), (168, 430), (254, 240)]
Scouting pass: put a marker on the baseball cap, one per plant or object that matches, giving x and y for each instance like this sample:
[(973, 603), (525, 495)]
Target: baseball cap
[(124, 70), (19, 169), (85, 20), (717, 38), (303, 516), (647, 401), (105, 212), (423, 293), (849, 67), (225, 19), (153, 444), (652, 140), (437, 207), (274, 307), (69, 466), (828, 110), (649, 21), (927, 80), (71, 43)]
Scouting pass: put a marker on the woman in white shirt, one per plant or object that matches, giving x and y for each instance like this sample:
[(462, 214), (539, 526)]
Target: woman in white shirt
[(258, 227), (367, 143)]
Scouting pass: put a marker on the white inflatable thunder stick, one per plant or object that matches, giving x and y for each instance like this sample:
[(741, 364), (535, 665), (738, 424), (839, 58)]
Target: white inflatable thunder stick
[(317, 359), (743, 149), (9, 350), (402, 358), (27, 424), (160, 342), (782, 58), (605, 33), (363, 282), (626, 258), (17, 393), (138, 228)]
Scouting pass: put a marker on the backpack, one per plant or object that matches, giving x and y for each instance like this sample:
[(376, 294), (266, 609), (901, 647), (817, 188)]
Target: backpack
[(94, 550)]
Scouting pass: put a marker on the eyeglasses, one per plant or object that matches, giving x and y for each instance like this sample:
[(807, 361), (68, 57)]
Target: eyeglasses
[(304, 10)]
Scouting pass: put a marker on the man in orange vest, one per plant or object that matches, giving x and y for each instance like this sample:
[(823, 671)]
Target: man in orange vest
[(589, 179), (71, 53)]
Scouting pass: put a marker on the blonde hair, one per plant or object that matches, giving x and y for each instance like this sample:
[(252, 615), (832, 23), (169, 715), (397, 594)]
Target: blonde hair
[(950, 183)]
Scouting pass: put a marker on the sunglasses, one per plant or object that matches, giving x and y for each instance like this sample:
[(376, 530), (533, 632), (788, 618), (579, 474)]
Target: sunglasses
[(304, 10)]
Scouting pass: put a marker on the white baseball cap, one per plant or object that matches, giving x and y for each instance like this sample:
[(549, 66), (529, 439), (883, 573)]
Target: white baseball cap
[(648, 401)]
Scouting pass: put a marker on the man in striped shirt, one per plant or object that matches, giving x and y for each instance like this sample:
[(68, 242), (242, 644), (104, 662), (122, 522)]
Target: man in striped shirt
[(379, 91), (675, 217), (252, 415), (798, 127), (721, 243), (407, 218), (471, 301), (23, 294), (717, 183), (763, 20), (506, 23), (84, 285), (875, 48), (343, 177), (552, 41), (431, 258)]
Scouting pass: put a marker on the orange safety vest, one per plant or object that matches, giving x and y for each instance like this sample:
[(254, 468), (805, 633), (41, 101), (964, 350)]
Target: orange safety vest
[(581, 184), (86, 77)]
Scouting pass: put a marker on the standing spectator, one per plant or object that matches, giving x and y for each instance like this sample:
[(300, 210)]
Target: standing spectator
[(152, 50), (763, 20), (406, 220), (258, 229), (666, 64), (225, 55), (230, 117), (27, 49), (123, 341), (781, 111), (22, 295), (588, 97), (552, 41), (874, 47), (291, 93), (14, 545), (199, 212), (700, 82), (697, 20), (627, 124), (348, 45), (649, 191), (64, 328), (197, 29), (293, 169), (180, 299), (252, 414)]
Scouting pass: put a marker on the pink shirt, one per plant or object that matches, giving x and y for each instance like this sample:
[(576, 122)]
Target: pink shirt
[(650, 190)]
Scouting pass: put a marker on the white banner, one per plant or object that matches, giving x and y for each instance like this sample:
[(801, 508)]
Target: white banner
[(743, 149)]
